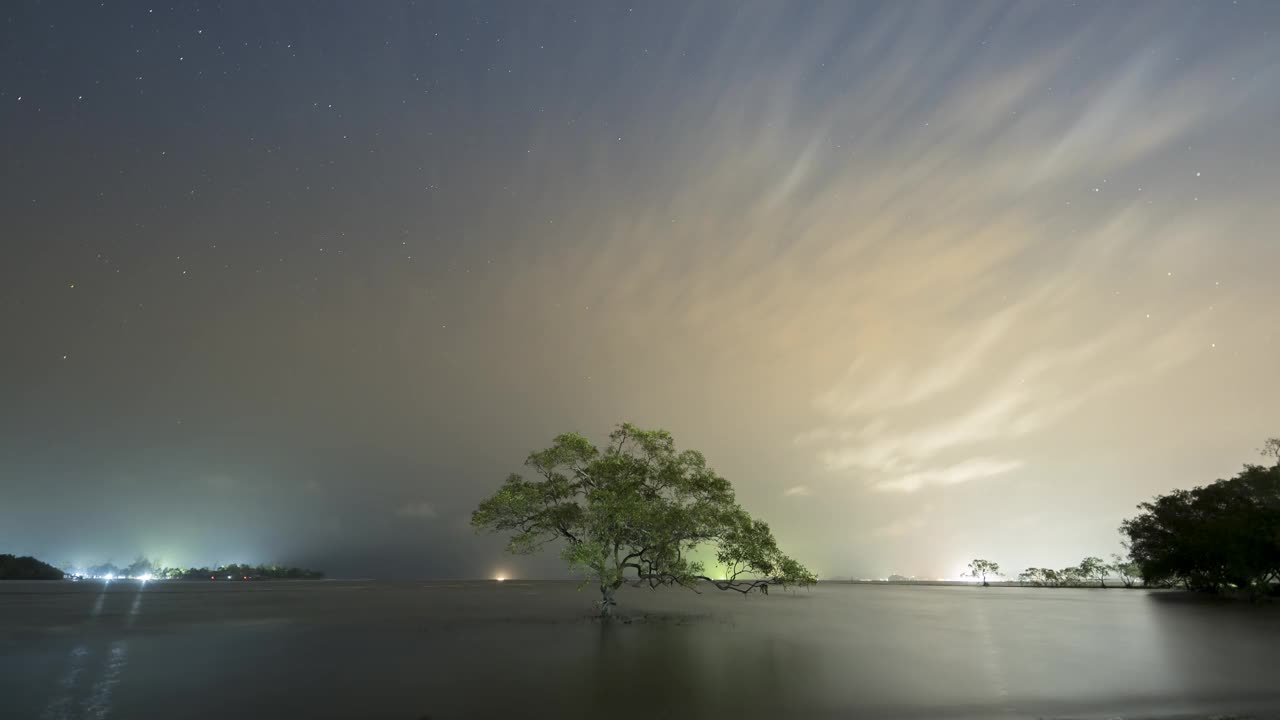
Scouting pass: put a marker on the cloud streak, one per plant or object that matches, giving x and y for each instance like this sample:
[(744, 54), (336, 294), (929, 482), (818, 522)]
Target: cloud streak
[(972, 259)]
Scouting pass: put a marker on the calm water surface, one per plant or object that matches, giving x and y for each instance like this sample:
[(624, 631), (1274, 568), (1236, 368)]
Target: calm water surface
[(337, 649)]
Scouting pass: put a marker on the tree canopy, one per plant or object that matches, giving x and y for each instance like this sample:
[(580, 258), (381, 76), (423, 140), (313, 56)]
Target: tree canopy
[(1126, 569), (1271, 449), (1094, 568), (980, 569), (1043, 577), (1223, 535), (636, 512)]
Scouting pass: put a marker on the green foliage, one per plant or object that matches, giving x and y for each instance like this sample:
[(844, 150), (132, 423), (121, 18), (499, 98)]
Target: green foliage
[(635, 512), (980, 569), (1071, 576), (1048, 577), (27, 568), (1224, 535), (1093, 568), (1038, 577), (1126, 569)]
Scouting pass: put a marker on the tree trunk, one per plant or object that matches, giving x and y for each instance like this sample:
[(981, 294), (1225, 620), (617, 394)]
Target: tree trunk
[(606, 601)]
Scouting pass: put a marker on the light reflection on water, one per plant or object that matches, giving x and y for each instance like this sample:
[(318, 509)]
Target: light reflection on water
[(58, 706), (96, 703), (372, 650)]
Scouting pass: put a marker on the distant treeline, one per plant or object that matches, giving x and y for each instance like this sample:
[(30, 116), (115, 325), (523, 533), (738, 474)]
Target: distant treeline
[(27, 568), (144, 568), (1091, 570), (1219, 537), (239, 572)]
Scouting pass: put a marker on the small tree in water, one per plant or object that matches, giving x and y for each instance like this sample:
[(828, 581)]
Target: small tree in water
[(635, 513), (1126, 569), (1093, 568), (980, 569)]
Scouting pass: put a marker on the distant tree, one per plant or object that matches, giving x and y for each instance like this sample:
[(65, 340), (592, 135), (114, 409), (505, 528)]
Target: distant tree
[(103, 570), (1071, 576), (1125, 569), (1093, 568), (1048, 577), (1223, 535), (139, 567), (1271, 449), (980, 569), (635, 513)]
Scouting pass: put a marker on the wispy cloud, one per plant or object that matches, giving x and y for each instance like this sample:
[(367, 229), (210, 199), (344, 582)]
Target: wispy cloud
[(946, 269), (972, 469)]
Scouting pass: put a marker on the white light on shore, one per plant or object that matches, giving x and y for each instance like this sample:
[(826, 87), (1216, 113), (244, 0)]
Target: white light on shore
[(500, 579)]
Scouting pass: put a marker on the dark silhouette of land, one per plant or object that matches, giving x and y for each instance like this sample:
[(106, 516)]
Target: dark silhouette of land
[(27, 568)]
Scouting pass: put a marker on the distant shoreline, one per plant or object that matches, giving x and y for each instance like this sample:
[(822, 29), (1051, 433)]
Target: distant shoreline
[(991, 583)]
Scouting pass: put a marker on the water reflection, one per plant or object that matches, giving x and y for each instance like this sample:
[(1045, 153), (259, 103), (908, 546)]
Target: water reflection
[(990, 656), (527, 649), (59, 705), (94, 668), (658, 669), (1216, 639), (98, 704)]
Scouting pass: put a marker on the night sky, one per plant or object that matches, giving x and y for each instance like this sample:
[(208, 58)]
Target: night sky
[(302, 282)]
